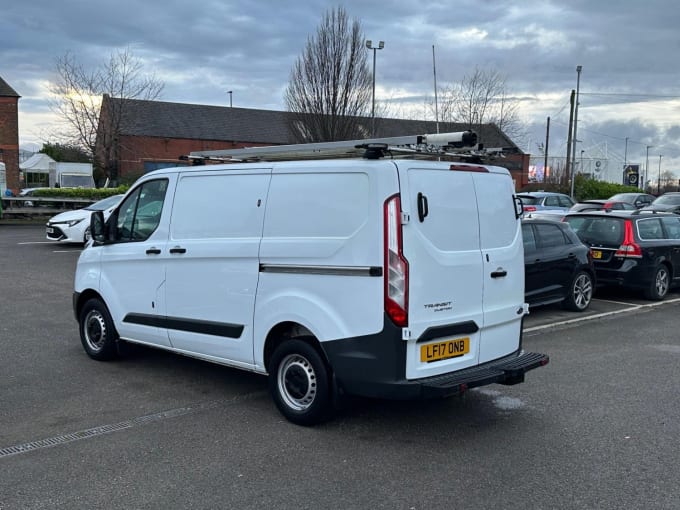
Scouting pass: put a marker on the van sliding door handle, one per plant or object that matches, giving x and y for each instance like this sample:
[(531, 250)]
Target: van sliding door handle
[(177, 249), (499, 273), (153, 251)]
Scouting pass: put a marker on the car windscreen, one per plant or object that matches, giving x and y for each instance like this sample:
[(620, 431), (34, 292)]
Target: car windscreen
[(667, 200), (597, 231)]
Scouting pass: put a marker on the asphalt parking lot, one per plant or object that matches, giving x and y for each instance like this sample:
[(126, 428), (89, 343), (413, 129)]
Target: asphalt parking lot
[(596, 428)]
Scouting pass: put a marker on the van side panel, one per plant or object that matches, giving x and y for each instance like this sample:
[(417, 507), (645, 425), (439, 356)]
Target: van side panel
[(212, 262), (321, 254)]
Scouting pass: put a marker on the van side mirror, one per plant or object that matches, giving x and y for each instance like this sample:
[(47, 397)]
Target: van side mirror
[(98, 228), (519, 207)]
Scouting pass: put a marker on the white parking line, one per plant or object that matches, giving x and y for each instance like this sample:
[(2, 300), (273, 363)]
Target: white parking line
[(600, 315), (615, 302), (66, 251), (38, 242)]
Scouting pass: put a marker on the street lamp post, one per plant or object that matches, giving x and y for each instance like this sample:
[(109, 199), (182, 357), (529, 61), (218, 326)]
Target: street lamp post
[(658, 183), (573, 148), (369, 45)]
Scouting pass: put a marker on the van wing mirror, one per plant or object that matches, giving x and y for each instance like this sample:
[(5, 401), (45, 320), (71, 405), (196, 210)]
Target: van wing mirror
[(98, 228), (519, 207)]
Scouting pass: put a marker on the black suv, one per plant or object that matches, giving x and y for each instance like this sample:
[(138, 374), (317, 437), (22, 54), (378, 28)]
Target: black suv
[(635, 249)]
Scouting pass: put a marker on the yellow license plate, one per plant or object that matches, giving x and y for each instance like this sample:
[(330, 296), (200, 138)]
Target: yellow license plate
[(597, 254), (444, 350)]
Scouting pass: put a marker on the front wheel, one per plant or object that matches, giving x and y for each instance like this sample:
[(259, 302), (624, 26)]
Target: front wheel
[(580, 292), (660, 284), (299, 383), (97, 333)]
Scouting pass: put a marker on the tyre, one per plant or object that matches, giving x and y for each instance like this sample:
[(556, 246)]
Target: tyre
[(660, 284), (299, 382), (97, 333), (580, 292)]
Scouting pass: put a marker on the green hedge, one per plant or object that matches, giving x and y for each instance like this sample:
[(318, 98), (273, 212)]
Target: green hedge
[(93, 193), (585, 188)]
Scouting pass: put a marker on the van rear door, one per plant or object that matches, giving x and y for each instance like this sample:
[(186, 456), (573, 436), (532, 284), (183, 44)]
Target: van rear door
[(442, 246), (466, 276)]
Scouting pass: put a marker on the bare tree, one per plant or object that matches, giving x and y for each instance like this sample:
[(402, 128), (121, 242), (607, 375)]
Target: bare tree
[(330, 84), (482, 98), (80, 92)]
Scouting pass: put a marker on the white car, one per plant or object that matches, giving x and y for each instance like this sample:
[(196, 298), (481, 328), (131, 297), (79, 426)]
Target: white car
[(74, 226)]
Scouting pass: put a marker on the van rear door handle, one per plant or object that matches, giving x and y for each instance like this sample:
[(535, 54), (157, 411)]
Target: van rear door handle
[(153, 251), (499, 273), (177, 249)]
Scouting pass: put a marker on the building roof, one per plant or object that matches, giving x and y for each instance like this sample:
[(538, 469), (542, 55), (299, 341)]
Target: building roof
[(6, 90), (203, 122)]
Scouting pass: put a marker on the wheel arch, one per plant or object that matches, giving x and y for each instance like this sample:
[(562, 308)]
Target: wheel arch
[(83, 298), (287, 330)]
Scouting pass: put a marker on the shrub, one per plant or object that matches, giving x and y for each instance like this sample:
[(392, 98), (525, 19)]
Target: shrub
[(91, 193)]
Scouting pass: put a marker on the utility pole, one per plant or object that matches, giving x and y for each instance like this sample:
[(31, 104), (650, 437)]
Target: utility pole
[(658, 183), (545, 155), (575, 138), (646, 169), (571, 123)]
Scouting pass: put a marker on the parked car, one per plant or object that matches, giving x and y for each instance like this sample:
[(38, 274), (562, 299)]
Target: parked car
[(557, 266), (545, 200), (638, 200), (602, 205), (28, 192), (635, 249), (668, 202), (74, 226), (546, 214)]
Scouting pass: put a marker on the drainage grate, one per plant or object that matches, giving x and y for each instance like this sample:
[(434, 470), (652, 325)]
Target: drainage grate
[(98, 431)]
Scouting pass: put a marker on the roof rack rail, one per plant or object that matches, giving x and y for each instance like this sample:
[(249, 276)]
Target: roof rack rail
[(461, 144)]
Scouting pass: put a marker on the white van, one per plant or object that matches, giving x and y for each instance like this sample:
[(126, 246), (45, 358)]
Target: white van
[(377, 277)]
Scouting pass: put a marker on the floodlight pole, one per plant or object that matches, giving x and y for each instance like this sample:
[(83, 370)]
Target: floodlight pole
[(369, 45)]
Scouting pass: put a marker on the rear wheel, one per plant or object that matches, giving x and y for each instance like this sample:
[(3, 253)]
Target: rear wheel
[(299, 383), (580, 292), (660, 284), (97, 333)]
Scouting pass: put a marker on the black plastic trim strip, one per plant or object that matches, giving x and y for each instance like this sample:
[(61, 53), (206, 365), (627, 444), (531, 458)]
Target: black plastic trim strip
[(192, 325), (323, 270), (460, 328)]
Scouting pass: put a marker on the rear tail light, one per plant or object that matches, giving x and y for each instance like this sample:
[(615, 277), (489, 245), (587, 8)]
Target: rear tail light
[(529, 208), (396, 266), (629, 248)]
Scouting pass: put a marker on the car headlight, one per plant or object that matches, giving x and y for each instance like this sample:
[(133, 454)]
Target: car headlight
[(72, 223)]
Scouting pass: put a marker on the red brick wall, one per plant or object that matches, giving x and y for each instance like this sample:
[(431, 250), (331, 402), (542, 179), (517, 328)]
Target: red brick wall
[(9, 140), (135, 150)]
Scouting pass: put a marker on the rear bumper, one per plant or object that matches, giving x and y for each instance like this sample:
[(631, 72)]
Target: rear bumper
[(632, 273), (509, 370), (374, 366)]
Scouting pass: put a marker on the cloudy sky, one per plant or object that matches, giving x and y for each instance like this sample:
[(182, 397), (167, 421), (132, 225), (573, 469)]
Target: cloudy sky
[(629, 51)]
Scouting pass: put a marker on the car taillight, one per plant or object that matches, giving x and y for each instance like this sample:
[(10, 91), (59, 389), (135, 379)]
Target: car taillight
[(629, 248), (529, 208), (396, 266)]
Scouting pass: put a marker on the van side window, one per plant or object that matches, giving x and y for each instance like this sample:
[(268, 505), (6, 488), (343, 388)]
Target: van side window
[(140, 213)]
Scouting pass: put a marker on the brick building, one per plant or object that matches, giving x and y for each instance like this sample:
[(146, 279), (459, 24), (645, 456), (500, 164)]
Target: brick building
[(154, 134), (9, 134)]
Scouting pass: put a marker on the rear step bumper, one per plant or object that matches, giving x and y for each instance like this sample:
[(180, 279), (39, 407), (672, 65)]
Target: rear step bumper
[(504, 371), (507, 370)]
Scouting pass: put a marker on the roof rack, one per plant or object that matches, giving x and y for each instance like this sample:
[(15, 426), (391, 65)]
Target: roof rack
[(461, 145)]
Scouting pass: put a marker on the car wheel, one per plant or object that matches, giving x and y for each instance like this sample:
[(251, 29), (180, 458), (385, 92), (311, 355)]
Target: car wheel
[(580, 292), (660, 284), (97, 333), (299, 383)]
